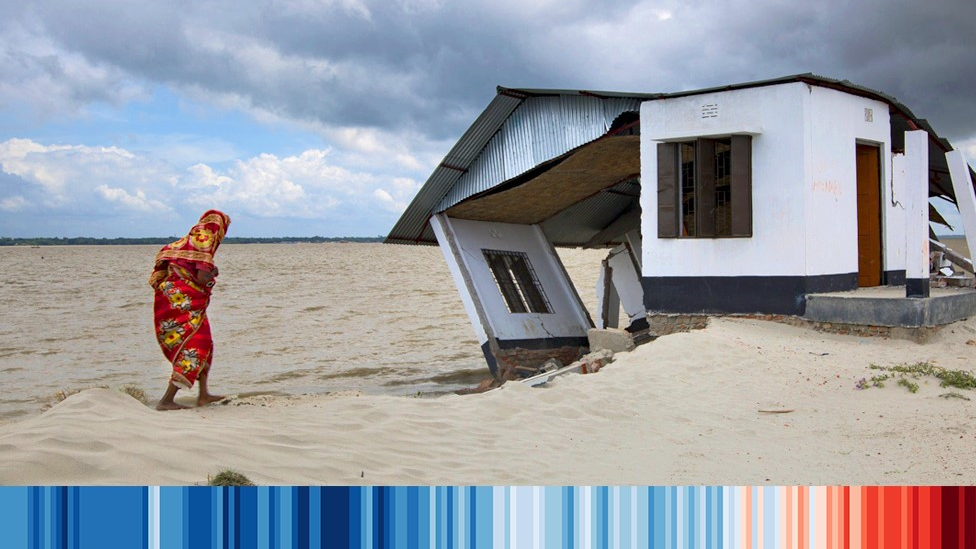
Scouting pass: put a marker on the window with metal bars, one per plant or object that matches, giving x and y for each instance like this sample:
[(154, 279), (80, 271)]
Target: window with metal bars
[(517, 282)]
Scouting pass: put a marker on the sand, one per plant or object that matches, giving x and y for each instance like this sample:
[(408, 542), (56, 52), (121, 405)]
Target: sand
[(691, 408)]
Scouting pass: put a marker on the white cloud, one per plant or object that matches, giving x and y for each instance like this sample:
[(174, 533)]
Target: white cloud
[(137, 202), (13, 204), (397, 197)]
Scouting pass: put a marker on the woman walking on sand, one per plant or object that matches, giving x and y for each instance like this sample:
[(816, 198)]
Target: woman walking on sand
[(183, 278)]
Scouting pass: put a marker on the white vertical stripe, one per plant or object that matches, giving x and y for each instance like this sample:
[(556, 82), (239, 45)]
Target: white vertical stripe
[(153, 519), (498, 517), (512, 524), (726, 516)]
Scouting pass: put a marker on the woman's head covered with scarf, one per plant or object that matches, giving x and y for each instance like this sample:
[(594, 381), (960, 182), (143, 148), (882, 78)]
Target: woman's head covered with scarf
[(198, 246)]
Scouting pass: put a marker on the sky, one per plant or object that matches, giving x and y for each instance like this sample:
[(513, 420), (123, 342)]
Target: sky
[(325, 117)]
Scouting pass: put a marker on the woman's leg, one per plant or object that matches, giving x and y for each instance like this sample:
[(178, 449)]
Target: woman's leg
[(205, 397), (167, 402)]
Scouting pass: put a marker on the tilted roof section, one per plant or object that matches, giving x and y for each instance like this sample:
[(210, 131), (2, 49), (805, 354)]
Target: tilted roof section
[(523, 128)]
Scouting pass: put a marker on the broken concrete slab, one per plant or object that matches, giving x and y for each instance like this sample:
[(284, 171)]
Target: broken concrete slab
[(612, 339)]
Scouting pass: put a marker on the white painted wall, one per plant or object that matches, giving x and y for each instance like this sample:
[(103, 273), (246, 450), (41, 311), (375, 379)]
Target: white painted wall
[(917, 206), (773, 115), (452, 255), (836, 122), (804, 189), (626, 280), (569, 318), (896, 215)]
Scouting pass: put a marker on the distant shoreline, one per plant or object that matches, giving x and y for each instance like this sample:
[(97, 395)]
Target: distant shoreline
[(89, 241)]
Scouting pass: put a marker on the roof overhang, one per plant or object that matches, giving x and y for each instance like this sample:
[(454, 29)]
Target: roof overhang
[(558, 184)]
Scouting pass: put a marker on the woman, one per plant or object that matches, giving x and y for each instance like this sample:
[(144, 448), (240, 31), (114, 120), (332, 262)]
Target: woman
[(183, 279)]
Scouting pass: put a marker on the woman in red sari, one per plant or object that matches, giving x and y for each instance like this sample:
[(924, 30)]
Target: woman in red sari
[(183, 278)]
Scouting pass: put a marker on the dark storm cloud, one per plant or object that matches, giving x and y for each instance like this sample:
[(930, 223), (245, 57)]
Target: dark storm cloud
[(431, 66)]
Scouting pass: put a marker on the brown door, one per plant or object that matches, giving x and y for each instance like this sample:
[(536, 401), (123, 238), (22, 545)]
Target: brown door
[(869, 264)]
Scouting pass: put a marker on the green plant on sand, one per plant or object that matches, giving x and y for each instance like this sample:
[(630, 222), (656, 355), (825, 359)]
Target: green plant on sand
[(229, 477), (906, 373)]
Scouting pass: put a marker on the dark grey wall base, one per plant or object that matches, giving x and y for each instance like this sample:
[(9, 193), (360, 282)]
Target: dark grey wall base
[(739, 294), (917, 287), (894, 278), (902, 312)]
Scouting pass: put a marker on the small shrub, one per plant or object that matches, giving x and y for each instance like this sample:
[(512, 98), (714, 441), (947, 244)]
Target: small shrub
[(229, 477), (135, 392)]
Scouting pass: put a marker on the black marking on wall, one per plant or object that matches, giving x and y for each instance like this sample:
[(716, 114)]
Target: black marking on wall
[(894, 278), (739, 294), (917, 287)]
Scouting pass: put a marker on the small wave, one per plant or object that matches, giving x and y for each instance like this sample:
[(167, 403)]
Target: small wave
[(313, 309), (461, 377), (354, 372)]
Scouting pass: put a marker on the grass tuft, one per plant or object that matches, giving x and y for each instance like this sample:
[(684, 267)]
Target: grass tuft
[(906, 373), (229, 477)]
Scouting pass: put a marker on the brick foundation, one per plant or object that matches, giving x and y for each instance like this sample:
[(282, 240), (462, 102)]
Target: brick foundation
[(518, 362)]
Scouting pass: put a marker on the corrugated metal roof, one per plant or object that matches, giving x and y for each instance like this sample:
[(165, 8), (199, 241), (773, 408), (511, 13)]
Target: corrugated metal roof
[(518, 131), (523, 127)]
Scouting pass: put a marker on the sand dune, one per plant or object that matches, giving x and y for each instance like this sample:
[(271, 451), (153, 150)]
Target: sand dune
[(694, 408)]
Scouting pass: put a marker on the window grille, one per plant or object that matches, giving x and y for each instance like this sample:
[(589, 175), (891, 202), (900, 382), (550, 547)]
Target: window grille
[(517, 282)]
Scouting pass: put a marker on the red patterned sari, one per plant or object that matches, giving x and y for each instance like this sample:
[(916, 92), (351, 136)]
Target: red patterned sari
[(181, 300)]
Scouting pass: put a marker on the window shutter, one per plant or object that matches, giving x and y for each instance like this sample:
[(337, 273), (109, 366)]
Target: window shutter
[(741, 185), (705, 195), (667, 190)]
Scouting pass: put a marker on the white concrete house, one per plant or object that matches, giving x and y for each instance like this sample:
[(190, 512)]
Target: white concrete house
[(749, 198)]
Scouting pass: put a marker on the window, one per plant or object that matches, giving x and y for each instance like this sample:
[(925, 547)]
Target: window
[(705, 188), (517, 282)]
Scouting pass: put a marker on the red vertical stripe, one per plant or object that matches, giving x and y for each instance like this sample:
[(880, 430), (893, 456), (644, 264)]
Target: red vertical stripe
[(892, 519), (913, 512), (935, 517), (950, 517), (970, 518), (871, 516), (962, 516)]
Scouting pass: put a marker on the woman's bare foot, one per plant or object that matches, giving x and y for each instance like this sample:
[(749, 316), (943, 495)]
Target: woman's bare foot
[(167, 402), (203, 400)]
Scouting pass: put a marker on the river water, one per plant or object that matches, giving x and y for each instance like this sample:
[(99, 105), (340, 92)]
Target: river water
[(286, 318)]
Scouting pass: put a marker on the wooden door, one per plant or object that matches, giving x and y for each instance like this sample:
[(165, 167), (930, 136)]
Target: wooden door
[(869, 264)]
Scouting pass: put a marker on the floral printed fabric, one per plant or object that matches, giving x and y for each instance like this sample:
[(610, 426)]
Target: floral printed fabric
[(196, 248), (182, 328), (180, 308)]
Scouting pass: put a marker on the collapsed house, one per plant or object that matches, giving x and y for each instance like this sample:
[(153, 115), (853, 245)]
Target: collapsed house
[(755, 198)]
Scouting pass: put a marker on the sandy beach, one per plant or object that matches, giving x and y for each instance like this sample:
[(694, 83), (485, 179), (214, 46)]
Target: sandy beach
[(740, 402)]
